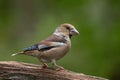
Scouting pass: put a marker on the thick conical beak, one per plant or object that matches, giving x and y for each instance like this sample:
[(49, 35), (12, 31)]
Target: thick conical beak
[(74, 32)]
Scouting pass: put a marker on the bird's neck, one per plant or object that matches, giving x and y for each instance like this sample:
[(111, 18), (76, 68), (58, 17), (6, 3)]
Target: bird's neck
[(62, 35)]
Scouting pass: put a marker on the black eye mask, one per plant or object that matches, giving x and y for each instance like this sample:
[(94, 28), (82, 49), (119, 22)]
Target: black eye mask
[(70, 36)]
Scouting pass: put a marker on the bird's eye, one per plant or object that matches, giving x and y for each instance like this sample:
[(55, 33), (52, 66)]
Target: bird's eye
[(68, 28)]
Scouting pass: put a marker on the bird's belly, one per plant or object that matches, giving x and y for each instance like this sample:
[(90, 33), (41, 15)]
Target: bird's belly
[(55, 53)]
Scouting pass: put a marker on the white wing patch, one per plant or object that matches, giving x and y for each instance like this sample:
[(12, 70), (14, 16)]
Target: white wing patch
[(58, 44)]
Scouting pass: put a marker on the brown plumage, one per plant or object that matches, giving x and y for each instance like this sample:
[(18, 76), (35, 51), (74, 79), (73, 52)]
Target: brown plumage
[(54, 47)]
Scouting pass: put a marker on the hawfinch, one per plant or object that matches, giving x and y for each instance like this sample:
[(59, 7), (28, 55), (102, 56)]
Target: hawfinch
[(54, 47)]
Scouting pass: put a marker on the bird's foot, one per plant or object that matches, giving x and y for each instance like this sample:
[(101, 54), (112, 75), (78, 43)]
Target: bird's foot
[(44, 65), (59, 68)]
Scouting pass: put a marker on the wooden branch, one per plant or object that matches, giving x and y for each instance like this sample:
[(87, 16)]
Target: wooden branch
[(11, 70)]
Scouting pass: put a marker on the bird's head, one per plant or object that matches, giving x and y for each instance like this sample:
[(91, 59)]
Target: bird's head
[(66, 29)]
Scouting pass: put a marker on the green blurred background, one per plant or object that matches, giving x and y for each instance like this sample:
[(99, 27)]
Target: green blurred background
[(96, 51)]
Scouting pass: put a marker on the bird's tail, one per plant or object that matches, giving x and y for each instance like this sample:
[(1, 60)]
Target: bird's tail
[(17, 53)]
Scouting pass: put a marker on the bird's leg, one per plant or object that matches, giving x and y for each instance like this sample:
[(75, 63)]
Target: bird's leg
[(57, 66), (43, 64)]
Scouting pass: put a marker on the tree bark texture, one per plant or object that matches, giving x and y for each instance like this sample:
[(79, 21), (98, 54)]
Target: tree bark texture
[(11, 70)]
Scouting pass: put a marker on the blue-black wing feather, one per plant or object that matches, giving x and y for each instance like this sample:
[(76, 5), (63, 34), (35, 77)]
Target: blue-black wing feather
[(40, 47), (33, 47), (43, 47)]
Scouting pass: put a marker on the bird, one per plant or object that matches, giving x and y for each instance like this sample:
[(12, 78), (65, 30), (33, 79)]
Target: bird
[(54, 47)]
